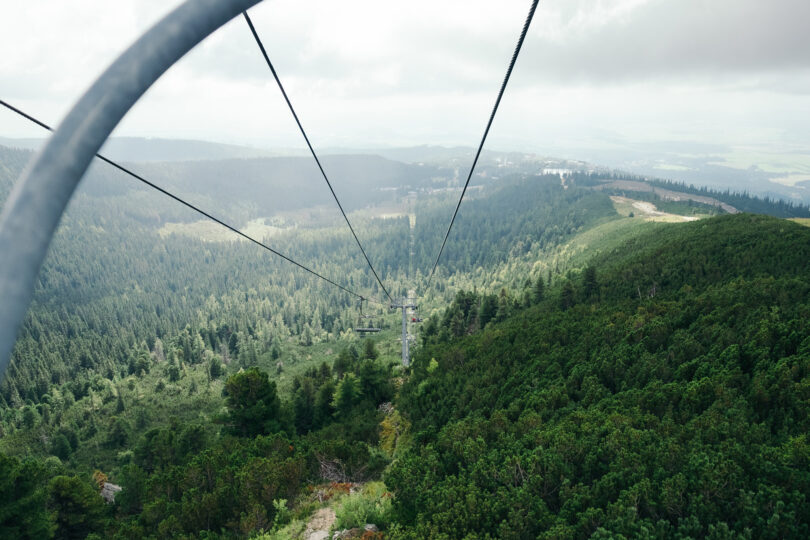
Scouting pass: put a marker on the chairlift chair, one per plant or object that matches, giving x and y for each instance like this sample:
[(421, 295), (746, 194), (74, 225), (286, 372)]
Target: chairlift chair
[(361, 329)]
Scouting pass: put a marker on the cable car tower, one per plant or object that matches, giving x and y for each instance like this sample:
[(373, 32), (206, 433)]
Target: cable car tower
[(405, 305)]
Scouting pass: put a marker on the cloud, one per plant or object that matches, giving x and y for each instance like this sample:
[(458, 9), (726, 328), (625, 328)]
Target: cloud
[(371, 73), (668, 38), (368, 47)]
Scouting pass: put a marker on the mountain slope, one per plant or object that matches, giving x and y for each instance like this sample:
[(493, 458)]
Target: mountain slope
[(155, 149), (675, 416)]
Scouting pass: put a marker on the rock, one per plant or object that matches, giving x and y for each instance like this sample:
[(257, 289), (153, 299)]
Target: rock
[(370, 527), (108, 491), (347, 533), (319, 525)]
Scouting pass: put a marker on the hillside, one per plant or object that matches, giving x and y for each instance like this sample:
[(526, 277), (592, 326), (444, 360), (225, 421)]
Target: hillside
[(597, 413), (142, 149), (139, 338), (245, 188)]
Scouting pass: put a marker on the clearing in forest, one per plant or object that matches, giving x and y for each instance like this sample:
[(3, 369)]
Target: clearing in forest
[(647, 210)]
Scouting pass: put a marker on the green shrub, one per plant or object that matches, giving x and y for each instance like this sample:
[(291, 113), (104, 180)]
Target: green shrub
[(371, 505)]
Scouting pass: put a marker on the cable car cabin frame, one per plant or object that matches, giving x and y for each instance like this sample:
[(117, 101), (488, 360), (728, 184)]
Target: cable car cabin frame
[(365, 329)]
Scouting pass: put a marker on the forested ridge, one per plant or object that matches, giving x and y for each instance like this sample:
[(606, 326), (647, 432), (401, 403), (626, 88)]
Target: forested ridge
[(681, 413), (650, 382), (741, 200), (111, 284)]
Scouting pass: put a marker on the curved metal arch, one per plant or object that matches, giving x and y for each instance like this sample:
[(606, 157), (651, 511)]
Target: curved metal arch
[(39, 198)]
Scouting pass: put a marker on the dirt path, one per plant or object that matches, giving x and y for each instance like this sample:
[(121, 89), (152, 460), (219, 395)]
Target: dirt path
[(666, 194), (649, 210), (318, 527)]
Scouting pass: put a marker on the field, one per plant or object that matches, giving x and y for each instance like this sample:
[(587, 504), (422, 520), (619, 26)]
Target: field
[(793, 167)]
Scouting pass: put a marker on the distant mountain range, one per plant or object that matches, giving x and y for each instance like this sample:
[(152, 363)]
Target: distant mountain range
[(661, 160), (141, 149)]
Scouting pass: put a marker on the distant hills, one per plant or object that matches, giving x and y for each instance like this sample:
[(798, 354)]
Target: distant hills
[(152, 149), (651, 161), (142, 149)]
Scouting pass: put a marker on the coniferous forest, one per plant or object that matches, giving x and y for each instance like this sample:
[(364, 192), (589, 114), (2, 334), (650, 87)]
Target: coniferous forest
[(579, 372)]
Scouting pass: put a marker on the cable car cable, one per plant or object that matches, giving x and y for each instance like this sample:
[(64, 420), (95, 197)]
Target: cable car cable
[(312, 150), (196, 209), (486, 131)]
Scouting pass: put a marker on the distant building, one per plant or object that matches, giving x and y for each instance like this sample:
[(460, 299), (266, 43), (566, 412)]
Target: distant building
[(559, 172)]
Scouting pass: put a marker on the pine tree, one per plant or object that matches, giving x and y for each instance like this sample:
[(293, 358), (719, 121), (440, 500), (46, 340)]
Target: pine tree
[(539, 291), (590, 287), (24, 514), (78, 508), (567, 296), (346, 395), (369, 350), (253, 404)]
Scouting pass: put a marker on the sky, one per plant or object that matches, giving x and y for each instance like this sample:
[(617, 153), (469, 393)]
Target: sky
[(368, 73)]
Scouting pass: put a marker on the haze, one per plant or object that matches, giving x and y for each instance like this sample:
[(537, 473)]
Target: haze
[(597, 80)]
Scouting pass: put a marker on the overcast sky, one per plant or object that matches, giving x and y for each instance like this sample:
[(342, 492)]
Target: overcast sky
[(372, 73)]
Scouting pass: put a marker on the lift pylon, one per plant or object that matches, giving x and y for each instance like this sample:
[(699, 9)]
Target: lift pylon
[(405, 305)]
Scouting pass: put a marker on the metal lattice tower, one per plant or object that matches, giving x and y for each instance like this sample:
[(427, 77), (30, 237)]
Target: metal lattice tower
[(405, 305)]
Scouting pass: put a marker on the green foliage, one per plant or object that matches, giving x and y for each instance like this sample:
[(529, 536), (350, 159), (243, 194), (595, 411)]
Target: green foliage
[(370, 505), (23, 513), (215, 368), (118, 433), (60, 446), (232, 483), (532, 213), (369, 350), (677, 414), (304, 406), (253, 404), (567, 295), (347, 394), (78, 508), (394, 432), (741, 201), (539, 291), (283, 515), (668, 398), (590, 286)]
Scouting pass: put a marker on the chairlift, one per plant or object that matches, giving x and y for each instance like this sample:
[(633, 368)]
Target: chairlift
[(361, 329)]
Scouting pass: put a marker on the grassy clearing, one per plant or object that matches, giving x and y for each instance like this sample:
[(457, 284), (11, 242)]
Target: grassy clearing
[(297, 358), (205, 230), (802, 221), (208, 231), (372, 504)]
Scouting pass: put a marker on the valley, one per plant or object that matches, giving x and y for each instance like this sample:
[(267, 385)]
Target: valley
[(404, 271), (558, 324)]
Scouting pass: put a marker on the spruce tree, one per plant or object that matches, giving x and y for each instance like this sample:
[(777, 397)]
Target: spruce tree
[(539, 290)]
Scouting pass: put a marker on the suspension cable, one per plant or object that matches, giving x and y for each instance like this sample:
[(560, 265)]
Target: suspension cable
[(312, 150), (526, 25), (196, 209)]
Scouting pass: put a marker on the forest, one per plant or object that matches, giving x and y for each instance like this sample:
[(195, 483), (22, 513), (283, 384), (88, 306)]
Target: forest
[(578, 374), (681, 412)]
